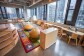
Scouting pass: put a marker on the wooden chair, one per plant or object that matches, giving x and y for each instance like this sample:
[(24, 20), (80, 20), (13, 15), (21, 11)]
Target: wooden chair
[(81, 40), (74, 37), (61, 32), (64, 35)]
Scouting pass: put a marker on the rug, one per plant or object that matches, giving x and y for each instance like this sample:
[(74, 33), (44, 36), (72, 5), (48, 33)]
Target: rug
[(27, 44)]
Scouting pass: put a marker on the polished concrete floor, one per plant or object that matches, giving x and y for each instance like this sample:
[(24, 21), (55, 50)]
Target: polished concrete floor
[(60, 48)]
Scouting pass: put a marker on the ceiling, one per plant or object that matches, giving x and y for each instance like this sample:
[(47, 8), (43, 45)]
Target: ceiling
[(14, 3), (17, 2), (21, 2)]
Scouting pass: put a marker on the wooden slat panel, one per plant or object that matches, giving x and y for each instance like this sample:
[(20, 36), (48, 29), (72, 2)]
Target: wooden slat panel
[(5, 43), (8, 48), (5, 37), (4, 33)]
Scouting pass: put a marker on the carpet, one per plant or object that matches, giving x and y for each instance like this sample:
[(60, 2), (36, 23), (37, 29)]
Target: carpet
[(27, 44)]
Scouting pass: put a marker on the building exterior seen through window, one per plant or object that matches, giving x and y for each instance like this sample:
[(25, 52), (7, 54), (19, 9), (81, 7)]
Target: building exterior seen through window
[(80, 18), (52, 12), (21, 13), (31, 11), (60, 11), (40, 12), (71, 10), (11, 12), (28, 14), (51, 8), (4, 12)]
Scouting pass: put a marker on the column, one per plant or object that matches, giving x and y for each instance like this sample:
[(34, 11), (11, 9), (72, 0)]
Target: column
[(25, 12)]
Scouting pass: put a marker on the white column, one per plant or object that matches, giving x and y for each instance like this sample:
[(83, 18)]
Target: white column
[(25, 12), (65, 8)]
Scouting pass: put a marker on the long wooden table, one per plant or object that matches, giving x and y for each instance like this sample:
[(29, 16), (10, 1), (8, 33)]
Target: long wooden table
[(81, 34), (73, 31)]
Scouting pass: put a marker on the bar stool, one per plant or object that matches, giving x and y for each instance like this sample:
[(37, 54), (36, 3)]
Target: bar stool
[(74, 37)]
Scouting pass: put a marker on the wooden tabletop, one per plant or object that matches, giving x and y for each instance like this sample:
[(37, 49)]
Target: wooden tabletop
[(76, 32), (73, 31)]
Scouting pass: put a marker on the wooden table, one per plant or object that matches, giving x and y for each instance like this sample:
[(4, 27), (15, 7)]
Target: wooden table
[(81, 34)]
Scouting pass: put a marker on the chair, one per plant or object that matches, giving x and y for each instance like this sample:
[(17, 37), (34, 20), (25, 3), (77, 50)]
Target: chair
[(64, 35), (74, 37), (69, 33), (81, 40), (61, 32)]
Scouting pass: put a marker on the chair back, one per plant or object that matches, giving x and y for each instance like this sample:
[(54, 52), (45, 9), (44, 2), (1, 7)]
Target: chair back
[(74, 35), (60, 31)]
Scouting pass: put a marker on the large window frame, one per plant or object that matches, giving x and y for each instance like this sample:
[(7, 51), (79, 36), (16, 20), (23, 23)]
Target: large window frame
[(75, 13), (80, 18), (3, 12), (74, 9), (51, 12)]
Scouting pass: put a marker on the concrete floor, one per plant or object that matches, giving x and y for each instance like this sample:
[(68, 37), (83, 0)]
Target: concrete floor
[(60, 48)]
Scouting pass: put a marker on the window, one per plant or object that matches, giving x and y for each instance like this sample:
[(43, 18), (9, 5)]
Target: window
[(34, 11), (60, 15), (70, 14), (28, 13), (4, 12), (21, 13), (31, 10), (71, 10), (0, 14), (40, 12), (51, 11), (80, 18), (11, 12), (72, 4)]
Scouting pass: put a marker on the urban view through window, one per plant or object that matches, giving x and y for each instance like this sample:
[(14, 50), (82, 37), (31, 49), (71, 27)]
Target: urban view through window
[(55, 12)]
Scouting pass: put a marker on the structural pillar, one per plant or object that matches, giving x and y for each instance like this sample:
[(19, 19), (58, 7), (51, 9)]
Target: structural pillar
[(25, 12)]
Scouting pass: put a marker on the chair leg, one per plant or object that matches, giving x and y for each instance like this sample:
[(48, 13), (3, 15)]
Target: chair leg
[(69, 40), (76, 41), (61, 36)]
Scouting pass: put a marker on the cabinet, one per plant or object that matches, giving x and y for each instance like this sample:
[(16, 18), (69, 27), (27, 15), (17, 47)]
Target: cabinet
[(48, 37)]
